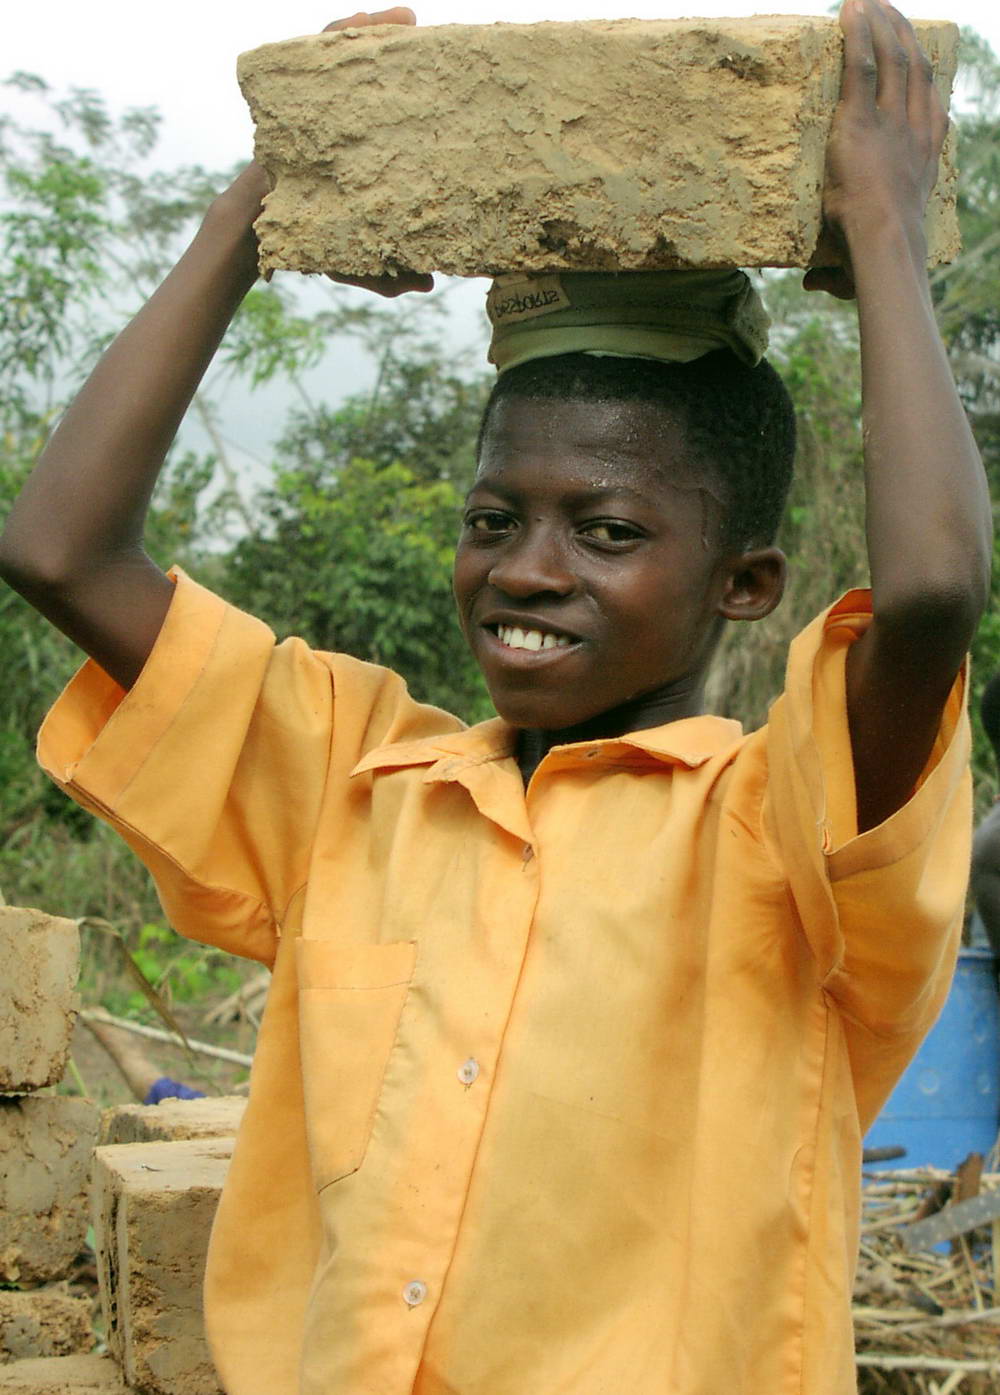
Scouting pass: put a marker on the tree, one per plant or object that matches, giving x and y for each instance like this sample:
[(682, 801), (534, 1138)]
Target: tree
[(357, 534), (80, 227)]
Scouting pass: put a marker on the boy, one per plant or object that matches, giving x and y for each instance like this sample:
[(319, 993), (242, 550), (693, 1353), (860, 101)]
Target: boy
[(578, 1016)]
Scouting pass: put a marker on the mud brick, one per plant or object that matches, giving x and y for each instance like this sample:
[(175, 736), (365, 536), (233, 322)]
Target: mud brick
[(600, 145), (63, 1375), (45, 1147), (172, 1119), (48, 1321), (40, 955), (153, 1209)]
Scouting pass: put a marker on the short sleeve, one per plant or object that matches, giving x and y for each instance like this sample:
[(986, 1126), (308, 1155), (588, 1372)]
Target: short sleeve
[(213, 766), (882, 910)]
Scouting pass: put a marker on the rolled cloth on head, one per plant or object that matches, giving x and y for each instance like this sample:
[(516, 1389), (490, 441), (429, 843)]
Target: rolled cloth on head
[(672, 315)]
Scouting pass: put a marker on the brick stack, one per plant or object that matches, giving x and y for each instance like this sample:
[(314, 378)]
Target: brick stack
[(156, 1178), (153, 1210), (45, 1142)]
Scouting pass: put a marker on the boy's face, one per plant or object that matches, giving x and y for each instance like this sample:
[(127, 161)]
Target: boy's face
[(588, 534)]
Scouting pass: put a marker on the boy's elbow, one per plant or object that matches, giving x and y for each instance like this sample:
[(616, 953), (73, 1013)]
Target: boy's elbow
[(19, 568), (936, 605), (33, 569), (928, 634)]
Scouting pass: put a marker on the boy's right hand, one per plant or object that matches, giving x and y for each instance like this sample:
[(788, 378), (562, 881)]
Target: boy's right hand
[(885, 142), (390, 286)]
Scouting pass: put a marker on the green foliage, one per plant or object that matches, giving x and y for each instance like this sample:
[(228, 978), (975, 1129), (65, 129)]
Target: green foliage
[(179, 971), (269, 338), (354, 541), (967, 298), (360, 562), (80, 225)]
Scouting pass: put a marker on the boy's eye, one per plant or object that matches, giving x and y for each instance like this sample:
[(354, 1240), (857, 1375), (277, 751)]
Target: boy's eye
[(611, 530), (488, 522)]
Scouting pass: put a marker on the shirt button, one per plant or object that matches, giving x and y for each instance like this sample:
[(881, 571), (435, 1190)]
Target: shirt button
[(415, 1292), (468, 1071)]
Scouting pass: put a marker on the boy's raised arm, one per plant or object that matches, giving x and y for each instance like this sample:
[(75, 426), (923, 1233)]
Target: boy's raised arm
[(928, 510), (73, 542)]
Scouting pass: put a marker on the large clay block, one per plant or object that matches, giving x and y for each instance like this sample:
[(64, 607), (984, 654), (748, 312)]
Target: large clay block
[(153, 1209), (40, 955), (601, 145), (47, 1321), (45, 1147), (64, 1375), (172, 1119)]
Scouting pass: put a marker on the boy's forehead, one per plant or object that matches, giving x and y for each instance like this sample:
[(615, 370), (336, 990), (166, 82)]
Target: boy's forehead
[(608, 445)]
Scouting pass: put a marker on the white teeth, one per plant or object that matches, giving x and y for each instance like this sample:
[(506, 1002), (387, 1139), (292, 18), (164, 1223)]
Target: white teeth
[(516, 638)]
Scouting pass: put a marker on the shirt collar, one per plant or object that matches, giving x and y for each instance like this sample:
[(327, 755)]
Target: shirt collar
[(690, 742)]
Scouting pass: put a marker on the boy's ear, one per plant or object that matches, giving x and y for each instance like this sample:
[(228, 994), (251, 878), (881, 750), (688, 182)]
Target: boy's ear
[(754, 584)]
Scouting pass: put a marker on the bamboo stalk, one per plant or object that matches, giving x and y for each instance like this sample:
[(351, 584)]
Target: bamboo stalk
[(887, 1361), (932, 1321), (200, 1048)]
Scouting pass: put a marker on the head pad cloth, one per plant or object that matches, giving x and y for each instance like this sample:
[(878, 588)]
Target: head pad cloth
[(672, 315)]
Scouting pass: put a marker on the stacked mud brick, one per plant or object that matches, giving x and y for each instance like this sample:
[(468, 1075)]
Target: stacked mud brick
[(150, 1188), (157, 1177), (610, 145), (46, 1142)]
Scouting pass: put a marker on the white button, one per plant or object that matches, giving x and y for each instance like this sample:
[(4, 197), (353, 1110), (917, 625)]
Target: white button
[(415, 1292), (468, 1071)]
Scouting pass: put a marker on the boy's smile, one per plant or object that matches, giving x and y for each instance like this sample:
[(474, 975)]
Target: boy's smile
[(590, 571)]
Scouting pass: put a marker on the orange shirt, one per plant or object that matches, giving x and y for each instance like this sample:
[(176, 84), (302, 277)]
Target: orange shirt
[(558, 1092)]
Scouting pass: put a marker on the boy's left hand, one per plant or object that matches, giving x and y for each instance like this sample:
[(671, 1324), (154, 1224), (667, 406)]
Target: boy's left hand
[(886, 139)]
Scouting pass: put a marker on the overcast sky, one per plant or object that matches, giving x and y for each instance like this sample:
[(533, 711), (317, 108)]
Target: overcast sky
[(181, 58)]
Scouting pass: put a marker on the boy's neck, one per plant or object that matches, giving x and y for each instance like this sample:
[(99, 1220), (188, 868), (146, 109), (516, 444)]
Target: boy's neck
[(671, 703)]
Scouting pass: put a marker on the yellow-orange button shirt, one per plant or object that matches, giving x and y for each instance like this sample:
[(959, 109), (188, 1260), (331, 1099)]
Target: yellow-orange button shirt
[(558, 1091)]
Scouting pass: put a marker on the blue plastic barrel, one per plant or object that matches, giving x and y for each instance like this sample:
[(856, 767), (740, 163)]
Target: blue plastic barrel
[(947, 1103)]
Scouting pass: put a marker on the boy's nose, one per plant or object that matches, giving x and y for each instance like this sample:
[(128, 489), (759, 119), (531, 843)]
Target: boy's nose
[(531, 567)]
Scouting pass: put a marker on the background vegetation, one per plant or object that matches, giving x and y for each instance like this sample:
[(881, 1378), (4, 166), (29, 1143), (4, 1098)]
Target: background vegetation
[(346, 537)]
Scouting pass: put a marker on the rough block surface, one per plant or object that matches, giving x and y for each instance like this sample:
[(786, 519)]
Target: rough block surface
[(611, 144), (45, 1147), (40, 955), (64, 1375), (153, 1209), (47, 1321), (172, 1119)]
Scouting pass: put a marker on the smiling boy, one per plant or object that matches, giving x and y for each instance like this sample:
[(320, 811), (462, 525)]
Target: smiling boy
[(611, 499), (578, 1016)]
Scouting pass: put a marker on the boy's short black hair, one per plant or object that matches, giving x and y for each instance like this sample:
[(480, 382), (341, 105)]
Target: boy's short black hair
[(738, 421)]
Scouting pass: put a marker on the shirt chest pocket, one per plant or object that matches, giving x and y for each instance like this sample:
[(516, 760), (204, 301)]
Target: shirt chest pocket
[(350, 1001)]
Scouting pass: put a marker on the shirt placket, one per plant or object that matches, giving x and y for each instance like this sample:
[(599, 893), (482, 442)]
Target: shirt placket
[(456, 1087)]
